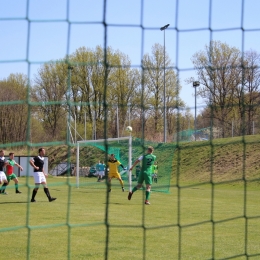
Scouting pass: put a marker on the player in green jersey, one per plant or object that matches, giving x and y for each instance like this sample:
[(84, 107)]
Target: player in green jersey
[(3, 178), (10, 163), (145, 174), (137, 171)]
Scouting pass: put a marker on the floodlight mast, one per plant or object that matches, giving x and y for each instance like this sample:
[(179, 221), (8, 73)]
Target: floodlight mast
[(195, 85), (164, 94)]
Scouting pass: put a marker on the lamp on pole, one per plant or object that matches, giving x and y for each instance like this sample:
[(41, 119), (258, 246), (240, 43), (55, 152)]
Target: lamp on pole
[(195, 85), (164, 97)]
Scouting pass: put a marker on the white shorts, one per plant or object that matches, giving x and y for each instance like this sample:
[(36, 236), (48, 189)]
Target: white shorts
[(100, 173), (2, 176), (39, 177)]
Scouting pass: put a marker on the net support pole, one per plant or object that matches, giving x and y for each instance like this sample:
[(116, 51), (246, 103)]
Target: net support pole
[(130, 162), (77, 165)]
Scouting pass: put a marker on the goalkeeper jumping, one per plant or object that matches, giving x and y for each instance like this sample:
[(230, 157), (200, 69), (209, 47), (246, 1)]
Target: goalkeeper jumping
[(145, 174), (113, 163)]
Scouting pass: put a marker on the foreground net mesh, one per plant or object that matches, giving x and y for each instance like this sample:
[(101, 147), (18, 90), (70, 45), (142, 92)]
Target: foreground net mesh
[(211, 210)]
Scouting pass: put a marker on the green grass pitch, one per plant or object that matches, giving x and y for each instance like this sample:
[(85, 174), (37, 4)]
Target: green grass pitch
[(83, 223)]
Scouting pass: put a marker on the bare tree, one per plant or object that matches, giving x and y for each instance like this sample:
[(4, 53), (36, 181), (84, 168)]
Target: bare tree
[(50, 91), (247, 93), (219, 72), (14, 108), (102, 82), (154, 82)]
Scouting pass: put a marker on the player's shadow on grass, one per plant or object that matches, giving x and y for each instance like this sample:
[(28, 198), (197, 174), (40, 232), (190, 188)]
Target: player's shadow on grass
[(85, 192), (114, 203), (10, 202)]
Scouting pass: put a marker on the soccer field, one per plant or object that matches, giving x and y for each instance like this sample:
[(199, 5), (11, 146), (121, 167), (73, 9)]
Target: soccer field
[(192, 222)]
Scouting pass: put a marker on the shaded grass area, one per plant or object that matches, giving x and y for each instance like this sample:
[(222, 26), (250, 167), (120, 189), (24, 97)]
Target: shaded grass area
[(206, 221)]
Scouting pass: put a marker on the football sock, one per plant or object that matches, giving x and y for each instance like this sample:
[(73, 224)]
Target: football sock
[(134, 189), (147, 193), (46, 190), (34, 194), (16, 186), (122, 183), (3, 187)]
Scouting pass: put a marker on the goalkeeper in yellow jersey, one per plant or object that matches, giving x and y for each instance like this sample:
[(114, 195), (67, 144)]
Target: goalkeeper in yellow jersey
[(113, 164)]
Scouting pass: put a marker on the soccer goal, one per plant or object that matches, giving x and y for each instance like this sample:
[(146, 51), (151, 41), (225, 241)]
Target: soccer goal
[(121, 147)]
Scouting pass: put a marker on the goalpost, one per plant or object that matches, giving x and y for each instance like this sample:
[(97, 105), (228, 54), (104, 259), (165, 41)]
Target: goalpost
[(105, 142)]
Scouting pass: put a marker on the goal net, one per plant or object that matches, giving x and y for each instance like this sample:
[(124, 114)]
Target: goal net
[(126, 150), (102, 148)]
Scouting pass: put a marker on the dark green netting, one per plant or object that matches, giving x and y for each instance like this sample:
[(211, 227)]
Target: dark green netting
[(212, 208)]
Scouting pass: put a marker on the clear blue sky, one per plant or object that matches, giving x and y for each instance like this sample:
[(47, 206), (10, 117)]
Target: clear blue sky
[(37, 31)]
